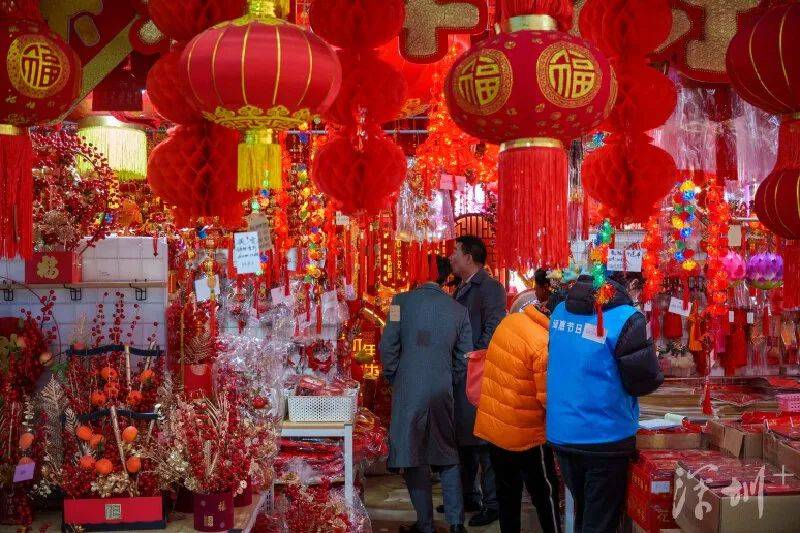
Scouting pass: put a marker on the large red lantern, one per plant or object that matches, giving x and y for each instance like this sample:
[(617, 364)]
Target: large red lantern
[(531, 89), (39, 81), (259, 74)]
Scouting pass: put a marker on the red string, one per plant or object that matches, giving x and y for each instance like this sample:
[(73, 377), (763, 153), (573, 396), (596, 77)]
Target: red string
[(600, 328)]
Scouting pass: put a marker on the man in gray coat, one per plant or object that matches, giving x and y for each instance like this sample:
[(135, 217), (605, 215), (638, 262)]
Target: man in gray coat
[(423, 349)]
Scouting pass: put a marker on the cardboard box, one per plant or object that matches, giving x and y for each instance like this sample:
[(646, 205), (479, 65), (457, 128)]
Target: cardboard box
[(697, 509), (668, 441), (53, 267), (115, 514), (734, 441)]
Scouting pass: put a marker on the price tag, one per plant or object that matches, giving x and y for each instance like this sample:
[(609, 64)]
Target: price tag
[(341, 219), (590, 333), (291, 260), (245, 252), (676, 307), (648, 306), (202, 291), (394, 313), (24, 472), (751, 318), (633, 260), (260, 224), (735, 236), (731, 317), (349, 293), (616, 260)]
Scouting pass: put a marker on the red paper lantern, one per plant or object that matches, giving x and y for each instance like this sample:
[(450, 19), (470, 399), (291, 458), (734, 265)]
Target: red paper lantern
[(357, 24), (258, 74), (194, 170), (39, 80), (777, 204), (531, 89), (361, 181), (164, 87), (183, 19)]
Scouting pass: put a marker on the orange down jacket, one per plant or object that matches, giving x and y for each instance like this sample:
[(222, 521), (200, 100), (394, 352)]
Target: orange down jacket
[(511, 410)]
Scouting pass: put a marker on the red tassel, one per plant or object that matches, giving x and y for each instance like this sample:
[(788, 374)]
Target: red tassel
[(585, 218), (348, 258), (686, 294), (765, 322), (412, 263), (655, 323), (424, 274), (16, 195), (791, 275), (319, 312), (708, 408), (285, 274), (532, 206), (155, 244), (600, 328), (231, 267)]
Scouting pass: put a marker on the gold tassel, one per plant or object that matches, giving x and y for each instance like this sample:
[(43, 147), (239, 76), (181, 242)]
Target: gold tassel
[(124, 145), (259, 162)]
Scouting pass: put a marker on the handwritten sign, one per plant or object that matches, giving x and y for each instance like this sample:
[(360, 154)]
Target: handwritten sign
[(625, 260), (676, 307), (260, 224), (245, 252), (24, 472), (616, 260), (342, 219), (202, 291), (633, 260)]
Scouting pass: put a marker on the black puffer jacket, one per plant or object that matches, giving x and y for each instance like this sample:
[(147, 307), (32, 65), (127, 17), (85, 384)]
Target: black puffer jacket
[(635, 353)]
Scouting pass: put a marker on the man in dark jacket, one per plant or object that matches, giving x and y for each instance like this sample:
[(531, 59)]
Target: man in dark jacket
[(485, 299), (423, 349), (593, 380)]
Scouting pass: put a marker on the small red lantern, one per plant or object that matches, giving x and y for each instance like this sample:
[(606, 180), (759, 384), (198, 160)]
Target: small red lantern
[(39, 81), (531, 89), (258, 74)]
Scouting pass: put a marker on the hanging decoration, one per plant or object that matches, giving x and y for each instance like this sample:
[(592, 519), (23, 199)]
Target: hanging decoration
[(167, 92), (629, 175), (123, 144), (359, 167), (653, 243), (761, 69), (717, 252), (259, 74), (40, 81), (531, 89), (181, 20), (684, 213), (428, 23), (598, 256), (765, 271)]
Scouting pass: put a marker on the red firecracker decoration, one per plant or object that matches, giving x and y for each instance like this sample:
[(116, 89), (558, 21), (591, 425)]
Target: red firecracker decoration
[(653, 243), (629, 175), (194, 170), (764, 71), (259, 74), (40, 79), (360, 168), (532, 89)]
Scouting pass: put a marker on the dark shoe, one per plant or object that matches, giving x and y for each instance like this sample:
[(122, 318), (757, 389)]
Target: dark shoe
[(484, 518), (410, 528), (458, 529), (468, 508)]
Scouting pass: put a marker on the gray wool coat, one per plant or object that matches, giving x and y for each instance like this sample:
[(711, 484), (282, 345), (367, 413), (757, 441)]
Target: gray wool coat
[(423, 349)]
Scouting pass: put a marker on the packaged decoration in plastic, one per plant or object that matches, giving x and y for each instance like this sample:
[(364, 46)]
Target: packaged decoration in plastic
[(421, 218)]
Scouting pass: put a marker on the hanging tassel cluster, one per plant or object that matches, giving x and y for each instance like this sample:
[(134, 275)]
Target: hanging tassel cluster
[(123, 144), (16, 194)]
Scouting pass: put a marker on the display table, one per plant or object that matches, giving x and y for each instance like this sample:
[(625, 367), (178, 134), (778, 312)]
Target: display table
[(343, 430), (244, 519)]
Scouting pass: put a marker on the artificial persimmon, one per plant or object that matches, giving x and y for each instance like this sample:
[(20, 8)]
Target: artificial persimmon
[(146, 375), (25, 440), (87, 462), (134, 464), (108, 373), (84, 433), (98, 398), (104, 467), (129, 434), (95, 441), (134, 397), (111, 389)]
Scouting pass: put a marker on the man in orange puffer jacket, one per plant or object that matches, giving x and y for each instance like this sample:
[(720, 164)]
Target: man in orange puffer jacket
[(511, 415)]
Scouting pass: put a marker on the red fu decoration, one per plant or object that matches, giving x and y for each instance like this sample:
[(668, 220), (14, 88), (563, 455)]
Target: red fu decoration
[(531, 89)]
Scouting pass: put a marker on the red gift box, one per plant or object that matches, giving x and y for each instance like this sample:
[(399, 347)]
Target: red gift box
[(213, 512), (652, 515), (53, 267), (97, 514)]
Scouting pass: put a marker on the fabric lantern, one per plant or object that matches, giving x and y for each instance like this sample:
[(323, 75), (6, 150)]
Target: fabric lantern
[(40, 80), (123, 144), (259, 74), (532, 89), (194, 171), (764, 68)]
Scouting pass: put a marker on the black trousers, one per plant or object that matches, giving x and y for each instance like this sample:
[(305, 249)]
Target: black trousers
[(536, 469), (598, 486), (477, 477)]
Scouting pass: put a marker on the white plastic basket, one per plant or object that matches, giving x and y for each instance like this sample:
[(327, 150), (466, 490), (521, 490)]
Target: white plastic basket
[(322, 408)]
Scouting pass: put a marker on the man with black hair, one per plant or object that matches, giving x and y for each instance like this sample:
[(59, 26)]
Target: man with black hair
[(485, 299), (542, 289), (423, 349)]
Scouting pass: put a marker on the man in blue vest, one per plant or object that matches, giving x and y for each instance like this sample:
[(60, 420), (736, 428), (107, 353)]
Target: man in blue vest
[(593, 381)]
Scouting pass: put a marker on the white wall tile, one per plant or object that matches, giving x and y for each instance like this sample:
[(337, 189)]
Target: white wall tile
[(154, 270)]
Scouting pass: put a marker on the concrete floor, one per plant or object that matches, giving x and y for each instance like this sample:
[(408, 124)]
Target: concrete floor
[(389, 507)]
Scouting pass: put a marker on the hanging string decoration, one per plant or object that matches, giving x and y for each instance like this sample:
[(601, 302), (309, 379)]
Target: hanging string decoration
[(716, 247), (599, 258), (545, 88), (629, 175), (684, 213), (653, 243)]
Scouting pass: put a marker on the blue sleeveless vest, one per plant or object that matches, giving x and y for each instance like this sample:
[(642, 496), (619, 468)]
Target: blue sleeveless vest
[(586, 402)]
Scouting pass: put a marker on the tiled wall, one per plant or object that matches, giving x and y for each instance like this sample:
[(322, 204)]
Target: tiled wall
[(126, 259)]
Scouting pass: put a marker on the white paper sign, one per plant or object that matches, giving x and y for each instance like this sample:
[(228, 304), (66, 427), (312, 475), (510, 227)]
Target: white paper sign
[(260, 224), (734, 236), (291, 260), (245, 252), (751, 318), (648, 306), (341, 219), (676, 307), (349, 293), (731, 317), (616, 260), (590, 333), (633, 260), (202, 291)]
